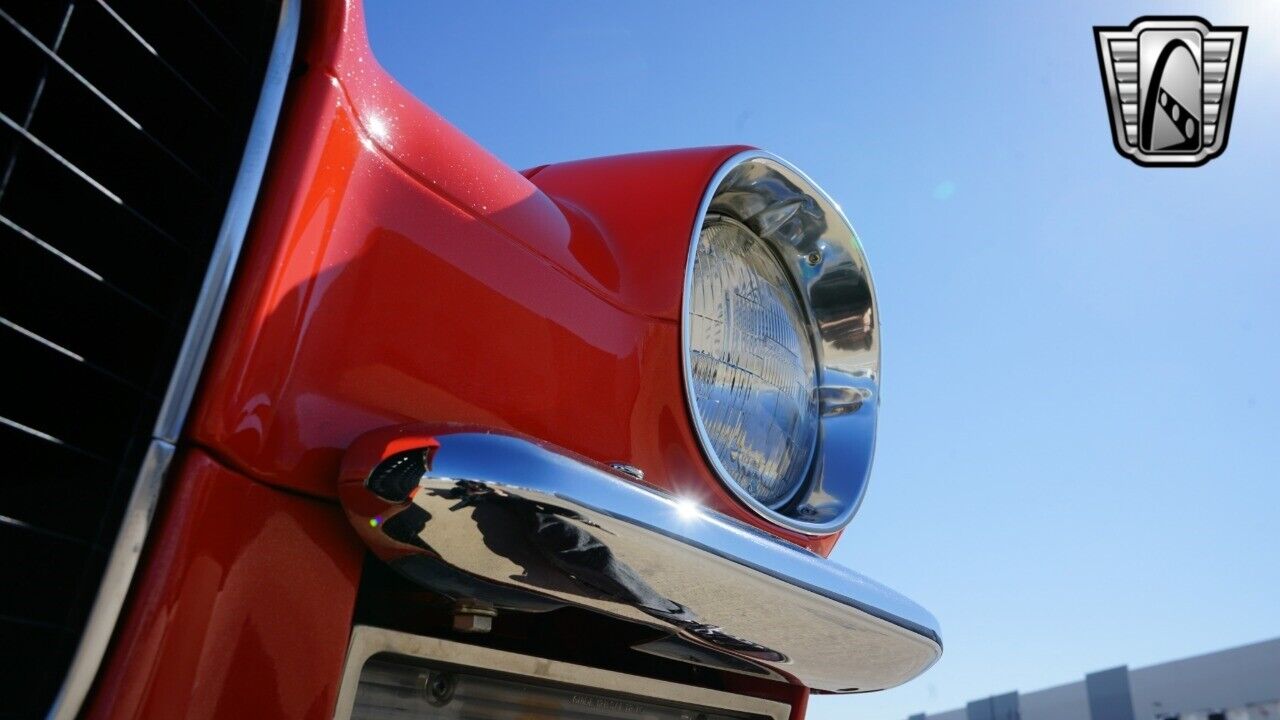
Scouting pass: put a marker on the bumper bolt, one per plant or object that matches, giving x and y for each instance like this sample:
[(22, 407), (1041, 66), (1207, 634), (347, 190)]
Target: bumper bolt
[(626, 469), (436, 687), (473, 616)]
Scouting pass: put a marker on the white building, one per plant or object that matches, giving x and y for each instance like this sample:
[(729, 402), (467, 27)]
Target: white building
[(1242, 683)]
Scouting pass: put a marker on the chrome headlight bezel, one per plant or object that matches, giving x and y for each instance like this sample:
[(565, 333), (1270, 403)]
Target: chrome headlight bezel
[(821, 252)]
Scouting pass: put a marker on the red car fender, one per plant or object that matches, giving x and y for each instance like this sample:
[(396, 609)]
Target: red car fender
[(242, 608), (398, 273)]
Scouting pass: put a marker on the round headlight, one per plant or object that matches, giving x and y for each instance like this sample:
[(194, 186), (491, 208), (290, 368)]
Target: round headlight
[(781, 345), (752, 364)]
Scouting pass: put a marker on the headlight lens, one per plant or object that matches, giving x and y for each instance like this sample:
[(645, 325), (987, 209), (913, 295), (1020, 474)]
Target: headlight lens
[(752, 365)]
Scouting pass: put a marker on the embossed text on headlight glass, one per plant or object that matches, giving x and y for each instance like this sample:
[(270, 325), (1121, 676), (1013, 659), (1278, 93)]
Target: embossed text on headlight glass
[(752, 360)]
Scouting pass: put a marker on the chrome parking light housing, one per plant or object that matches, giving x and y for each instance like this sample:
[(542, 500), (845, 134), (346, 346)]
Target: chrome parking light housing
[(825, 265)]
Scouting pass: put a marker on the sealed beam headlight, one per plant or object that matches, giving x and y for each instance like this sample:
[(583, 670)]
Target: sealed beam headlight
[(752, 365), (780, 335)]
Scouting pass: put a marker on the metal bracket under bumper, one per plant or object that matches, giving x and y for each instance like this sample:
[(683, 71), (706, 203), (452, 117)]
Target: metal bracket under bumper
[(517, 523)]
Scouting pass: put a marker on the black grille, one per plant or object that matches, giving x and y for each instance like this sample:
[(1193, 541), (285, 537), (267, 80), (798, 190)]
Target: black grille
[(122, 124)]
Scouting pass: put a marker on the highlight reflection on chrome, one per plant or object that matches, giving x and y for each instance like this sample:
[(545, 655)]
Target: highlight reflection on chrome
[(524, 527)]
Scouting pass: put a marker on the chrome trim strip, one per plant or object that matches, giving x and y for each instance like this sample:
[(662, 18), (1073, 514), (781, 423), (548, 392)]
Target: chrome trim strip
[(522, 524), (138, 514), (235, 223), (822, 253), (368, 641)]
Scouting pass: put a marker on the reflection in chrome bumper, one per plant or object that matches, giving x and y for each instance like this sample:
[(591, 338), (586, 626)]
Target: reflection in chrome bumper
[(519, 524)]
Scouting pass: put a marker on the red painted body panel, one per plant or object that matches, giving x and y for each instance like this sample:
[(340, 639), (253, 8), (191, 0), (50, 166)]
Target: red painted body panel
[(639, 210), (398, 273), (242, 609)]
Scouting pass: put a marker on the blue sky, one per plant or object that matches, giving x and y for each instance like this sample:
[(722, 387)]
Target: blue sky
[(1080, 428)]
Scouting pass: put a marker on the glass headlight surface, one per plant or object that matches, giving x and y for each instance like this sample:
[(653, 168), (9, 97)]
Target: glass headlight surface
[(752, 363)]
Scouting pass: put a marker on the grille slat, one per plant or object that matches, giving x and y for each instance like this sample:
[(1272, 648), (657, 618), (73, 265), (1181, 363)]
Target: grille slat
[(22, 134), (206, 59), (8, 227), (88, 362), (167, 107), (67, 398), (150, 49), (38, 530), (34, 559), (34, 489), (122, 123), (16, 34), (213, 28), (245, 23), (40, 647), (51, 202), (44, 20), (74, 310)]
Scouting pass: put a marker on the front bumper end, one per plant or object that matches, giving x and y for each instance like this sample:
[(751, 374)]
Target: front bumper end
[(508, 522)]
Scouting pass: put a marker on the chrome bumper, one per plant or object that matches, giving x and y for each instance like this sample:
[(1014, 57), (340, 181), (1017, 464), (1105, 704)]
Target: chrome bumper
[(512, 523)]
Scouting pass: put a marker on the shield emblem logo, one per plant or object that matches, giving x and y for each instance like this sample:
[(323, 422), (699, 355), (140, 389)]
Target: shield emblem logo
[(1170, 84)]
